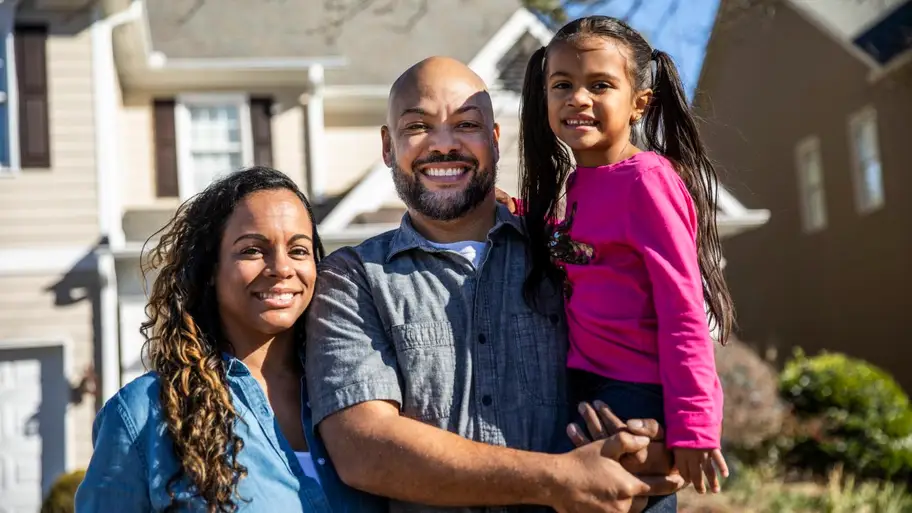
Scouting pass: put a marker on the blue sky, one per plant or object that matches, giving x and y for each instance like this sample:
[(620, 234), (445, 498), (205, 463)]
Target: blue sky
[(683, 34)]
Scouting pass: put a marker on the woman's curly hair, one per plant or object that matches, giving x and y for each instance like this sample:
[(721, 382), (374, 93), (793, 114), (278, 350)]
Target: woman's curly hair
[(184, 343)]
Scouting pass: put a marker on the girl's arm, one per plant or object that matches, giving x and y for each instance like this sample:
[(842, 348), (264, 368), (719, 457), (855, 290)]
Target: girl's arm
[(115, 479), (662, 225)]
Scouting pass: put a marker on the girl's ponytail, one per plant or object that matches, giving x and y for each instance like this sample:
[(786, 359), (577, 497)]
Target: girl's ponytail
[(672, 131), (544, 165)]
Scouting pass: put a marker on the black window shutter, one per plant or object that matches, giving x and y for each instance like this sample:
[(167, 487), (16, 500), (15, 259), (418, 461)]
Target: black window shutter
[(261, 128), (165, 148), (30, 43)]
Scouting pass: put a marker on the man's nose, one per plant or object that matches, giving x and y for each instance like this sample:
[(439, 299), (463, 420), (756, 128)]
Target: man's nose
[(443, 140)]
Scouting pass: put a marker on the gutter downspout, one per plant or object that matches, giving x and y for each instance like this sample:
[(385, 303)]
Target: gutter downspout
[(107, 160)]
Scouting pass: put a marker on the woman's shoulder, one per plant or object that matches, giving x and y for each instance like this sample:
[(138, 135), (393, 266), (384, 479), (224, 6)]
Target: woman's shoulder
[(135, 403)]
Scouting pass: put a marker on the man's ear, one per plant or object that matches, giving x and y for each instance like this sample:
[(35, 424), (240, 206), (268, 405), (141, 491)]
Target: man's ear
[(641, 102), (387, 146), (496, 138)]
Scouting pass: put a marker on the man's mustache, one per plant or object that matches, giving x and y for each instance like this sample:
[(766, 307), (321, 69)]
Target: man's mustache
[(440, 158)]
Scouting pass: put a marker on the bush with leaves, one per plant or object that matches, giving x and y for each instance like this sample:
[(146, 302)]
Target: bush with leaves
[(753, 412), (62, 497), (853, 413)]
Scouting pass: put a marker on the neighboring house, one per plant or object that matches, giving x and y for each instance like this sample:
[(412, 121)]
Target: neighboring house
[(810, 113), (51, 276)]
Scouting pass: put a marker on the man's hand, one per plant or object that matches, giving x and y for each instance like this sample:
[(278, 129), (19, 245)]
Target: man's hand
[(652, 463), (596, 482)]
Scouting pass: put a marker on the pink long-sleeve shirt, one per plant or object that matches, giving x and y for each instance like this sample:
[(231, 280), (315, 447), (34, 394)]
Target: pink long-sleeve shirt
[(636, 312)]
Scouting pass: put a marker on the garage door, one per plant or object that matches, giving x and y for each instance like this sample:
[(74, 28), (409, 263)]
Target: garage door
[(33, 401)]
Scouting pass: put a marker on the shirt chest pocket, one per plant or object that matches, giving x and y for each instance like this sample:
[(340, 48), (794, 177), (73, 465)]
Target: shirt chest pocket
[(540, 354), (426, 354)]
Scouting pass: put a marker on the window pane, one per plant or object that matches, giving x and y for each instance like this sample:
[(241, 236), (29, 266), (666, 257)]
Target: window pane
[(4, 106), (873, 182), (207, 167), (215, 128)]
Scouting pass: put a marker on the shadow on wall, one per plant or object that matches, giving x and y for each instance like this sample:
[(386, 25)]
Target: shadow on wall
[(83, 283)]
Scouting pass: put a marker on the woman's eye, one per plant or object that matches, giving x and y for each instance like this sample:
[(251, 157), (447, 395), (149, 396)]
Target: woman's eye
[(251, 251), (300, 251)]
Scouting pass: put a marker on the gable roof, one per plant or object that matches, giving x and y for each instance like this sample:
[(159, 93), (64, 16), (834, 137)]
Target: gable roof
[(239, 29), (876, 30)]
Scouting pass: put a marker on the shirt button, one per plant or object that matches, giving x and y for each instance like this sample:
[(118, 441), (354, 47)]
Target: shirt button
[(486, 400), (482, 339), (321, 461)]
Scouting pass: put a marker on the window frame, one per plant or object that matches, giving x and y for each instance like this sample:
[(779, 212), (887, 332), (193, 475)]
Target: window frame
[(865, 200), (802, 149), (8, 33), (183, 131)]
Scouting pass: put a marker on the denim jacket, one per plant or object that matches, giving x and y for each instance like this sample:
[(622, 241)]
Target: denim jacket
[(134, 457)]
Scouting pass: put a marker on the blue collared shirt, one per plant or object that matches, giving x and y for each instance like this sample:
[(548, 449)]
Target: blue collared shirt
[(134, 457), (398, 319)]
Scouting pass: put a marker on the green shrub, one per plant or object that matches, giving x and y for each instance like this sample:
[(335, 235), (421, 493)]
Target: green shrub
[(62, 496), (853, 414)]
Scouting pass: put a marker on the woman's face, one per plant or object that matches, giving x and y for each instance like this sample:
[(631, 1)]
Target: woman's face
[(266, 270)]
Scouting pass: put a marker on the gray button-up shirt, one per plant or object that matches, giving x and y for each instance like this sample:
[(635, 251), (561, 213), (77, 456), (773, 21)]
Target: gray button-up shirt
[(397, 319)]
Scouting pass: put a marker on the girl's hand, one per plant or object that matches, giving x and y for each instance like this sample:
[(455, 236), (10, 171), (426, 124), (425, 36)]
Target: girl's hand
[(505, 199), (694, 463)]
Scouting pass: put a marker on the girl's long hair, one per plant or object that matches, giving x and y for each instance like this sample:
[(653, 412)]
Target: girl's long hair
[(669, 129), (184, 343)]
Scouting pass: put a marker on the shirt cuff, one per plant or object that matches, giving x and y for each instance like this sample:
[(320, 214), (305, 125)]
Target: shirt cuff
[(693, 431), (353, 394)]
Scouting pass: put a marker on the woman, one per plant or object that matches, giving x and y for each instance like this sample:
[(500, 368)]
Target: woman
[(221, 422)]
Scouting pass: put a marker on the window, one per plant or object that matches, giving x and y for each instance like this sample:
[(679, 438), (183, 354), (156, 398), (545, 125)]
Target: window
[(867, 173), (810, 185), (24, 130), (199, 138), (214, 138)]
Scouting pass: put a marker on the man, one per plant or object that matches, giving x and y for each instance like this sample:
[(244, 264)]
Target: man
[(431, 380)]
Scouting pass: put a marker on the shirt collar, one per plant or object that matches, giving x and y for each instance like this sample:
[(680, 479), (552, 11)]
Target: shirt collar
[(407, 238)]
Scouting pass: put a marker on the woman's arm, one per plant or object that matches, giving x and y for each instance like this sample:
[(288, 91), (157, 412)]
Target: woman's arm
[(116, 477)]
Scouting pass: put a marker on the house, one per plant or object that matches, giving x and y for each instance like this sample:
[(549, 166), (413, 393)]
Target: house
[(113, 112), (51, 228), (809, 112)]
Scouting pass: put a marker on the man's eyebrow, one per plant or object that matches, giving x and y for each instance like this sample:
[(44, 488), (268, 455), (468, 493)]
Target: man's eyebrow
[(414, 110)]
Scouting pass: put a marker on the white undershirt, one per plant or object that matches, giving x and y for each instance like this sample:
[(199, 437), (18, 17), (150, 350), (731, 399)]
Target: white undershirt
[(307, 463), (471, 250)]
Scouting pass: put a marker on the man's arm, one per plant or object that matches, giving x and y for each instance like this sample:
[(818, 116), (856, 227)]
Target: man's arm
[(377, 450), (354, 390)]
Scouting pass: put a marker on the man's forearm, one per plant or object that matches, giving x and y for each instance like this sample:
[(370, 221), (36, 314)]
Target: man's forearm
[(376, 450)]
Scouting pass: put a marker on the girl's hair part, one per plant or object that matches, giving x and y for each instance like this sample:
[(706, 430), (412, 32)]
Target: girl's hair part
[(184, 343), (669, 128)]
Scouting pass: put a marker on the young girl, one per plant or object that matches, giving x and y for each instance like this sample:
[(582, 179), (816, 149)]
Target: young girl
[(637, 248)]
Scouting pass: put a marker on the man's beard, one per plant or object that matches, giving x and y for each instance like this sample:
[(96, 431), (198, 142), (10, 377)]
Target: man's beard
[(444, 205)]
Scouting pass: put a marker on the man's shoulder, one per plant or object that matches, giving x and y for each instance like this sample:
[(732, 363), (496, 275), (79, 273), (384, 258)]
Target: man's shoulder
[(349, 259)]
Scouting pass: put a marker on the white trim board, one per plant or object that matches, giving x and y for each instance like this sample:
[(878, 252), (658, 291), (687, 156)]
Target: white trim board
[(375, 187), (47, 260), (521, 22)]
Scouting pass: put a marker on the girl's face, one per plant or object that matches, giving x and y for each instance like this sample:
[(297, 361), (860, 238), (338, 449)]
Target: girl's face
[(591, 100)]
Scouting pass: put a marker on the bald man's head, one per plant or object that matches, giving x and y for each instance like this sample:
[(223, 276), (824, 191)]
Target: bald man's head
[(435, 77), (441, 140)]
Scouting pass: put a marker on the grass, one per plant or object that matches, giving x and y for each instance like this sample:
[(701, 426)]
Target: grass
[(765, 490)]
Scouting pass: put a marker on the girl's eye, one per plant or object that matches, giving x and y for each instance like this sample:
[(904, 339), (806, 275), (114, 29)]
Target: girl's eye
[(560, 85), (601, 86)]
